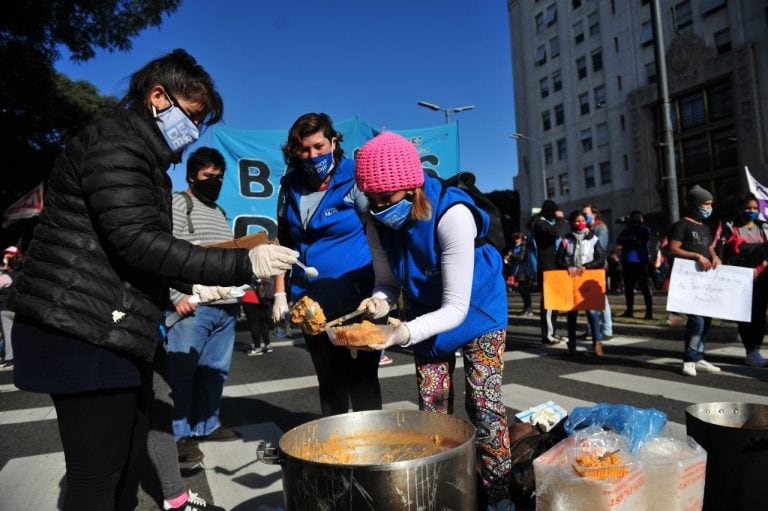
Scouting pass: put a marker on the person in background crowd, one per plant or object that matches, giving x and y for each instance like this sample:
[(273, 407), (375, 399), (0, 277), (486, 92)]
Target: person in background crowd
[(580, 250), (746, 244), (257, 307), (634, 262), (320, 214), (95, 280), (423, 240), (518, 268), (615, 278), (10, 272), (600, 229), (689, 238), (548, 228)]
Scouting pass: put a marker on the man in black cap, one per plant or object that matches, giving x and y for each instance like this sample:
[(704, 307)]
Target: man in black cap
[(548, 228), (689, 238)]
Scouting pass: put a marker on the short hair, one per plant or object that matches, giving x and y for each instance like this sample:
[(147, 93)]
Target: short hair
[(306, 125), (574, 215), (203, 158)]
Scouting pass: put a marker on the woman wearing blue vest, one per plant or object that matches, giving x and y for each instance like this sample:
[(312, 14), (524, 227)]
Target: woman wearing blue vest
[(424, 238), (320, 214)]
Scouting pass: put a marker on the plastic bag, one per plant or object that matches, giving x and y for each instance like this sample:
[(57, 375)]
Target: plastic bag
[(636, 424)]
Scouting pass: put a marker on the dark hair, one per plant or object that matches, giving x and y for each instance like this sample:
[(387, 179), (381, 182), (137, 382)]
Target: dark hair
[(574, 215), (306, 125), (747, 199), (203, 158), (182, 77)]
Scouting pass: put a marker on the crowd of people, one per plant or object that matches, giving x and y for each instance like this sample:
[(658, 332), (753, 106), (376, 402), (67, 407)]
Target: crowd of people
[(126, 316)]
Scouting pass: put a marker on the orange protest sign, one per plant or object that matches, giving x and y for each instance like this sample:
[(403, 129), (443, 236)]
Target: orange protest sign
[(582, 292)]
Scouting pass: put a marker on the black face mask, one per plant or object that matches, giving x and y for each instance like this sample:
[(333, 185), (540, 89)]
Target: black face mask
[(207, 190)]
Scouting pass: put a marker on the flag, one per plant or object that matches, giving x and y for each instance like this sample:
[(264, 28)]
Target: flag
[(759, 191), (29, 205)]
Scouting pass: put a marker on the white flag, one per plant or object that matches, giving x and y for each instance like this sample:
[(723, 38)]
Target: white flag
[(29, 205), (759, 191)]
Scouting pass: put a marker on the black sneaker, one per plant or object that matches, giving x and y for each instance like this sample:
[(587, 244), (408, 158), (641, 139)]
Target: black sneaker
[(193, 503), (267, 349)]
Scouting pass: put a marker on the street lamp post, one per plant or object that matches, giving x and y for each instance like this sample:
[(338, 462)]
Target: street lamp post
[(446, 111), (518, 136)]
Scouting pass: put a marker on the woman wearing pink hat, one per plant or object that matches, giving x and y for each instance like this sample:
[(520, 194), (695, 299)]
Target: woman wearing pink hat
[(423, 238)]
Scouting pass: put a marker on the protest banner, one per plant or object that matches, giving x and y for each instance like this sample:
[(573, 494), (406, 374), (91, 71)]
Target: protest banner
[(581, 292)]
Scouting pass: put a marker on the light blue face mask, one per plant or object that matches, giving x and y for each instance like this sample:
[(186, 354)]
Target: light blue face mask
[(394, 216), (704, 212), (589, 219), (319, 166), (178, 130)]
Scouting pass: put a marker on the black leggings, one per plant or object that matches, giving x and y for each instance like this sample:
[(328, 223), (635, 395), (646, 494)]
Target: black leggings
[(636, 273), (103, 433), (258, 321)]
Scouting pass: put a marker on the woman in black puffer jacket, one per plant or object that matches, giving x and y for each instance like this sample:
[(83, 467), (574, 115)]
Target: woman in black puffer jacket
[(95, 281)]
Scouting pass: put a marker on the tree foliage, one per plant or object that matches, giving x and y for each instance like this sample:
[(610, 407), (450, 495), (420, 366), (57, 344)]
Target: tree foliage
[(40, 108)]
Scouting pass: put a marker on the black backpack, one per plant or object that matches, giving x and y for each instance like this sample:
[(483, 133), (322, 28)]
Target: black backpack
[(466, 181)]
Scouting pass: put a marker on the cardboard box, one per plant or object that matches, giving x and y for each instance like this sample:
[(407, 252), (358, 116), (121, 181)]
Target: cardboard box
[(250, 241)]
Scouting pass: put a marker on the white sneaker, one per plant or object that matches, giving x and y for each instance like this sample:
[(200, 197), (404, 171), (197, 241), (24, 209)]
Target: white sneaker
[(689, 368), (707, 367), (755, 359)]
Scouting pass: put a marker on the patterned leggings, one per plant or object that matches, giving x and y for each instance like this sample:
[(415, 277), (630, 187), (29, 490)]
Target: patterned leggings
[(483, 367)]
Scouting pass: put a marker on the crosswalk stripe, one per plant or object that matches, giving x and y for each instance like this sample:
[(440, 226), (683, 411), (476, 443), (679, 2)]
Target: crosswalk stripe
[(737, 370), (684, 392)]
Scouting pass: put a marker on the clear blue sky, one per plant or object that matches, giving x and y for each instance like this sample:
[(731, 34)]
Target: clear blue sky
[(274, 60)]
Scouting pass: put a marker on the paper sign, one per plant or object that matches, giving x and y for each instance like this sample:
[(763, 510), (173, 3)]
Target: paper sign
[(583, 292), (725, 292)]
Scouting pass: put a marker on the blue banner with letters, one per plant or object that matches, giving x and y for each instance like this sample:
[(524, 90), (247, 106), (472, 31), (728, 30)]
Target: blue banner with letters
[(255, 165)]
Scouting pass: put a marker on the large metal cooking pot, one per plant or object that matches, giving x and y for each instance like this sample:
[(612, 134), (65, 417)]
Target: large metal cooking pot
[(735, 436), (385, 460)]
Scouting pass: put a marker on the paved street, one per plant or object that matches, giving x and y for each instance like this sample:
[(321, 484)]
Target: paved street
[(268, 395)]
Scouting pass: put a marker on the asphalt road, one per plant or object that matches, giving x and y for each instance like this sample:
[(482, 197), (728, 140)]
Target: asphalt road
[(268, 395)]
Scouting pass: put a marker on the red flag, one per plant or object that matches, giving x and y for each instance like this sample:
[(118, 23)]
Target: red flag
[(28, 206)]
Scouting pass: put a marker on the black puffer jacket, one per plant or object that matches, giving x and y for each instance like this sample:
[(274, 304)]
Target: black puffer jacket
[(103, 256)]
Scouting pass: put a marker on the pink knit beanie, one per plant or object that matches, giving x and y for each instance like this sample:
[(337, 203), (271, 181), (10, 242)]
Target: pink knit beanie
[(388, 163)]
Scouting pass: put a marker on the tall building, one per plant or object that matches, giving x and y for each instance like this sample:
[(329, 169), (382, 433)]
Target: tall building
[(588, 110)]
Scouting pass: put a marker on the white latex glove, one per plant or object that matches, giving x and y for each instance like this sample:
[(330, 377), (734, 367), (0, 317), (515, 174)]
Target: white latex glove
[(210, 293), (375, 308), (279, 307), (271, 260), (400, 336)]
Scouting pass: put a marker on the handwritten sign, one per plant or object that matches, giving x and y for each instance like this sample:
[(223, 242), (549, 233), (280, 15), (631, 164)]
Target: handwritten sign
[(725, 292), (582, 292)]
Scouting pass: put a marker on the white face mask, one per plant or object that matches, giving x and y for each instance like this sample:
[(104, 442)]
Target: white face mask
[(178, 130)]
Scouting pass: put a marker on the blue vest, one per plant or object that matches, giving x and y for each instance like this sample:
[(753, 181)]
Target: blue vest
[(334, 242), (414, 257)]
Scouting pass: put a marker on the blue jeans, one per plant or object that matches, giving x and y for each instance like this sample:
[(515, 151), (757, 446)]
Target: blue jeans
[(607, 320), (696, 330), (594, 327), (199, 356)]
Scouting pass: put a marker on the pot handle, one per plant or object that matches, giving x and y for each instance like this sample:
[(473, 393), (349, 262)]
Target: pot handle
[(265, 453)]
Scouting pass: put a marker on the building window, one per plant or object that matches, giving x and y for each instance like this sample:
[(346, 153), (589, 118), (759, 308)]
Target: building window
[(541, 55), (720, 102), (546, 122), (576, 4), (548, 155), (597, 60), (581, 67), (600, 96), (618, 82), (557, 81), (554, 47), (559, 115), (586, 140), (551, 17), (578, 32), (683, 15), (710, 6), (622, 123), (723, 41), (562, 151), (616, 44), (692, 110), (544, 87), (724, 148), (565, 189), (584, 103), (602, 134), (605, 172), (650, 72), (550, 187), (625, 159), (613, 7), (696, 155), (646, 34), (589, 176), (593, 20), (539, 19)]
